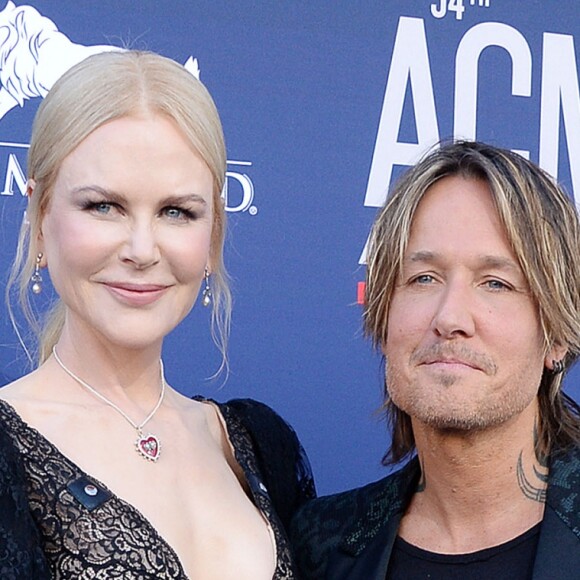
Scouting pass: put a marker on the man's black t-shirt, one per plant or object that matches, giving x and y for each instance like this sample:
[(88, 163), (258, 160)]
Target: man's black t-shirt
[(513, 560)]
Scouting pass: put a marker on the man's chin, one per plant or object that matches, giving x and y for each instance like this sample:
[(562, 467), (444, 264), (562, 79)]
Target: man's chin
[(460, 423)]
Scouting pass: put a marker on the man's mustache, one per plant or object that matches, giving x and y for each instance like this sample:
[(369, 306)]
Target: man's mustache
[(454, 353)]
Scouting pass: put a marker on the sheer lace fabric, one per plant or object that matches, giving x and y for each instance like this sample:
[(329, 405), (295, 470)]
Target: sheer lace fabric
[(114, 540)]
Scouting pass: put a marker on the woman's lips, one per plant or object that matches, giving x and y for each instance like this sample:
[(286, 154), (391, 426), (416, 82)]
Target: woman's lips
[(136, 294)]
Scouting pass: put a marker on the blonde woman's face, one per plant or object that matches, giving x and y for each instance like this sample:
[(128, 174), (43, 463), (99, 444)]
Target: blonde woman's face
[(127, 232)]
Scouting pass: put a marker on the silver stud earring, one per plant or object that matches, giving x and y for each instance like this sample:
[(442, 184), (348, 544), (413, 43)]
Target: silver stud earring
[(206, 294), (557, 366), (36, 278)]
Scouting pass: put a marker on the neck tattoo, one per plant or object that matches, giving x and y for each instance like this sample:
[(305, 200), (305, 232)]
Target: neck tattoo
[(149, 445)]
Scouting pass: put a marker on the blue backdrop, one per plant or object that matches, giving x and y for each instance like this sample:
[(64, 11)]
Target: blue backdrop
[(323, 104)]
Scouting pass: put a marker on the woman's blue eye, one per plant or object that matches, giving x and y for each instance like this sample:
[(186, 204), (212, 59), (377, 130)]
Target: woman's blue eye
[(177, 213), (102, 207), (174, 212)]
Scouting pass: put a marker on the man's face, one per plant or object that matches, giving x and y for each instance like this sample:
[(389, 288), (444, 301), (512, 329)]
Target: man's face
[(464, 345)]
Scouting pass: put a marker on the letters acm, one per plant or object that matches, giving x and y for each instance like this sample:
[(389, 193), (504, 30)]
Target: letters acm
[(559, 98)]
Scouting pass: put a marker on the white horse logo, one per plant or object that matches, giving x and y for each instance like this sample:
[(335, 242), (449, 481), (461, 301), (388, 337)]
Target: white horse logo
[(34, 54)]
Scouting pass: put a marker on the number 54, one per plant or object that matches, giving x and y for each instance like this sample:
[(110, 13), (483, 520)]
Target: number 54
[(448, 5)]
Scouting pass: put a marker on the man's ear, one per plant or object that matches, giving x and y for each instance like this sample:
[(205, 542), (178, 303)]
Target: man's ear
[(555, 354)]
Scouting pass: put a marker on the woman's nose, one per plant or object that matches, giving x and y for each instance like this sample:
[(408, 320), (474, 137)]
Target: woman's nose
[(141, 248)]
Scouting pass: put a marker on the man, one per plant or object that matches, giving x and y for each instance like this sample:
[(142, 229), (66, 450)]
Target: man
[(473, 296)]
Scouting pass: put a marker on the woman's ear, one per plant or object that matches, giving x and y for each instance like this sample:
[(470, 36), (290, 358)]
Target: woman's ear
[(30, 185)]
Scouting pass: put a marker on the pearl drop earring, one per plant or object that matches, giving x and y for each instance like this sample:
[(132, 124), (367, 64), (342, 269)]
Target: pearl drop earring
[(36, 278), (206, 294)]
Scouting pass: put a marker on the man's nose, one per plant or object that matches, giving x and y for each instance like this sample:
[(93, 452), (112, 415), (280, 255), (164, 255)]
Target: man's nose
[(454, 315)]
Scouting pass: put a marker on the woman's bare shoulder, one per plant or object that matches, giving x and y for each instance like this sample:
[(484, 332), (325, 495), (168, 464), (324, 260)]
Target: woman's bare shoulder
[(21, 389)]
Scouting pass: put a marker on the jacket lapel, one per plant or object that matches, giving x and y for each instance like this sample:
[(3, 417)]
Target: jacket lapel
[(371, 563), (365, 548), (558, 553)]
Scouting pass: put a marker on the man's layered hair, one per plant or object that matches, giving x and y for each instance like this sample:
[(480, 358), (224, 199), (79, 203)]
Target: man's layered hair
[(541, 225)]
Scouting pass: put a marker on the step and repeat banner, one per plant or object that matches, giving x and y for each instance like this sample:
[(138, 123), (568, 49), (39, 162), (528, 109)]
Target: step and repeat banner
[(323, 105)]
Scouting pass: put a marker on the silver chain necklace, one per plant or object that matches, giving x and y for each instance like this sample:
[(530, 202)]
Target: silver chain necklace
[(148, 446)]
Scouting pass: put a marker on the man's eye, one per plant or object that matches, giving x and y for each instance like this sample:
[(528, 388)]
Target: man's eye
[(423, 279), (497, 285)]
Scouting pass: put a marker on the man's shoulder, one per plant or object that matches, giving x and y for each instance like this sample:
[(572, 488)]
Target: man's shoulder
[(564, 487), (349, 520), (565, 467), (558, 551), (347, 506)]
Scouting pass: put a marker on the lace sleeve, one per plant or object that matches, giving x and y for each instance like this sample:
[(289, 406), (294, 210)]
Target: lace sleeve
[(21, 555), (280, 456)]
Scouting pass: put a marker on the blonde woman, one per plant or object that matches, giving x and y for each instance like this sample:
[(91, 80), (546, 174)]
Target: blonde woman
[(114, 473)]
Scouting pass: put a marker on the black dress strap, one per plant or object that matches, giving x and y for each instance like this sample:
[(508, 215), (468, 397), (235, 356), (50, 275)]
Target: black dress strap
[(281, 459)]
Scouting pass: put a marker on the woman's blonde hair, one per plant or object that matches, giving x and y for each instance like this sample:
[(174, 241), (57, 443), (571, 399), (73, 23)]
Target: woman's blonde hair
[(99, 89)]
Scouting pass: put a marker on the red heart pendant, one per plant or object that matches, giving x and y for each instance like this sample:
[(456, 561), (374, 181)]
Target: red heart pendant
[(148, 446)]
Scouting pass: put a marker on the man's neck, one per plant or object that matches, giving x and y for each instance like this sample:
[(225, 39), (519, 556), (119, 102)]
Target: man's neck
[(477, 490)]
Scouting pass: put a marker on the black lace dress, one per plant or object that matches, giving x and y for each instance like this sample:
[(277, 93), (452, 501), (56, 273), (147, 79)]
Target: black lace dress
[(56, 521)]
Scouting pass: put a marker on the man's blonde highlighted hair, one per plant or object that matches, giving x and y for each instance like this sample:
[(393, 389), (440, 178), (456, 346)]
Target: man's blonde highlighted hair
[(541, 224)]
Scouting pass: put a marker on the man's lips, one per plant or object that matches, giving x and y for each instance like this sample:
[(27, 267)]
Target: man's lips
[(440, 357), (450, 363)]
